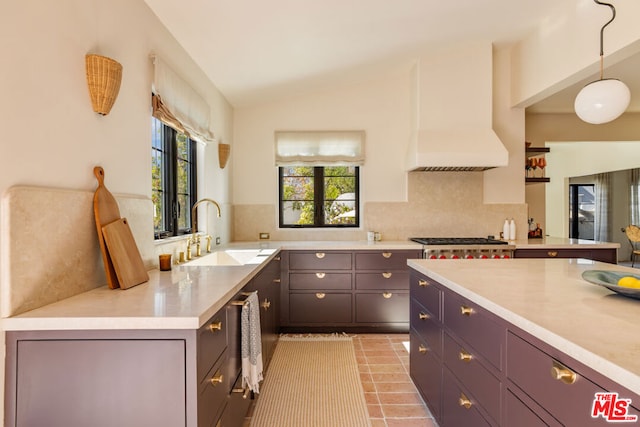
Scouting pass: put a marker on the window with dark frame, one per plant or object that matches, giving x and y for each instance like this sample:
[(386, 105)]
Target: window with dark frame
[(173, 169), (319, 196)]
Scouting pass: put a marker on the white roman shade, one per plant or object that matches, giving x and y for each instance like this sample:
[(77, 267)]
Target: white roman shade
[(319, 148), (177, 104)]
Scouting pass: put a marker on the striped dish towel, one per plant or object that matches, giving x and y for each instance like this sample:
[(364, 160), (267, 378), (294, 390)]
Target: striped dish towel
[(251, 343)]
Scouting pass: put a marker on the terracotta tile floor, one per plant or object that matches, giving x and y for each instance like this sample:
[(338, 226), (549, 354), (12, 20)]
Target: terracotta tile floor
[(392, 399)]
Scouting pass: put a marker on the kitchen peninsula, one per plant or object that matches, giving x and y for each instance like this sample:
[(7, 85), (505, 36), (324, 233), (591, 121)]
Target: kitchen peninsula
[(527, 340)]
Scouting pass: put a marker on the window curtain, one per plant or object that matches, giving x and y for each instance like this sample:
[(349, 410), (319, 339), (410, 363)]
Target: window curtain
[(319, 148), (603, 190), (178, 105), (634, 196)]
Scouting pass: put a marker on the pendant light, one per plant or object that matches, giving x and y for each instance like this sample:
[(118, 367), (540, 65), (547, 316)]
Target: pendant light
[(603, 100)]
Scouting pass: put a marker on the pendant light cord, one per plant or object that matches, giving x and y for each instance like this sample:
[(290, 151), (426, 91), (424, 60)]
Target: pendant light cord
[(613, 16)]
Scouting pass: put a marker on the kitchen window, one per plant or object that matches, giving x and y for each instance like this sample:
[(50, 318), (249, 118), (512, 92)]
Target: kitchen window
[(173, 170), (320, 196)]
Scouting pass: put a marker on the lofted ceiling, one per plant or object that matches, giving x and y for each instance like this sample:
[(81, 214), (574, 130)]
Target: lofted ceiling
[(256, 51)]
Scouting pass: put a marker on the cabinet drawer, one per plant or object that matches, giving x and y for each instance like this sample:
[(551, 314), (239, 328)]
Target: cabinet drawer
[(427, 294), (518, 413), (425, 324), (383, 307), (530, 369), (212, 340), (476, 327), (458, 407), (320, 261), (320, 280), (483, 386), (384, 260), (386, 280), (426, 372), (320, 307), (212, 395), (609, 255)]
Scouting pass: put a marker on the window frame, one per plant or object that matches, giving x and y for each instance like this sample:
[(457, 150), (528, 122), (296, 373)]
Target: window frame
[(318, 203), (171, 207)]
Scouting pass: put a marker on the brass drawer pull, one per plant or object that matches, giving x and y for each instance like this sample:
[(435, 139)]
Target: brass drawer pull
[(423, 283), (466, 311), (422, 349), (387, 295), (245, 391), (320, 275), (464, 356), (320, 255), (464, 401), (387, 254), (552, 254), (321, 295), (266, 304), (215, 326), (216, 379), (562, 373), (424, 316), (387, 275), (276, 280), (277, 258)]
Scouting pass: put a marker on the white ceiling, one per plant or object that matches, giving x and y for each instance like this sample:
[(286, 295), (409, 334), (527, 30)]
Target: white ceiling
[(255, 51)]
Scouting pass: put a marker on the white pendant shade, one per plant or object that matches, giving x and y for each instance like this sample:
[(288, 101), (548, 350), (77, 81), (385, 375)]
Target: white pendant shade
[(602, 101)]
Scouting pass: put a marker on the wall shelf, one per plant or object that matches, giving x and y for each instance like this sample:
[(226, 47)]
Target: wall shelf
[(535, 180), (533, 152)]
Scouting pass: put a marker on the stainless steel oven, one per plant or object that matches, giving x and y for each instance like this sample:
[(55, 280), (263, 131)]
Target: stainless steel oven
[(464, 248)]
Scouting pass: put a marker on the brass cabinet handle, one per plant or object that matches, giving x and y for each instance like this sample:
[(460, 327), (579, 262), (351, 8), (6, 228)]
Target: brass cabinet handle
[(423, 283), (464, 356), (562, 373), (466, 311), (387, 295), (276, 280), (424, 316), (215, 326), (320, 275), (277, 258), (387, 275), (387, 254), (464, 401), (245, 391), (320, 295), (422, 349), (320, 255), (216, 379), (266, 304), (552, 253)]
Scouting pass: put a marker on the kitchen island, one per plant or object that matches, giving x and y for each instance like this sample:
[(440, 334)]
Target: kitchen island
[(529, 340)]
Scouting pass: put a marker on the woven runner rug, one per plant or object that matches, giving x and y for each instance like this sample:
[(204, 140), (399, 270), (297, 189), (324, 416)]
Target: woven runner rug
[(312, 382)]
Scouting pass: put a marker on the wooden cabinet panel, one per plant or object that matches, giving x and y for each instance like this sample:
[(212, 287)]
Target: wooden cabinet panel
[(384, 280), (427, 326), (383, 307), (321, 307), (454, 412), (320, 261), (385, 260), (603, 254), (427, 293), (320, 281), (519, 414), (212, 340), (426, 372), (212, 394)]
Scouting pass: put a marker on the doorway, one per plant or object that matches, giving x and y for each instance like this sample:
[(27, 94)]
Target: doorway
[(582, 209)]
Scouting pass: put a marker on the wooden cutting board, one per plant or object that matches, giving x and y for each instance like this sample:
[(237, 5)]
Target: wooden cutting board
[(106, 211), (127, 262)]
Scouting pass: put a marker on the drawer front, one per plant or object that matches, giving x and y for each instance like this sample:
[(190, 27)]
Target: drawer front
[(454, 411), (237, 406), (530, 369), (425, 324), (426, 373), (320, 307), (483, 386), (426, 293), (519, 414), (384, 260), (320, 280), (475, 327), (320, 261), (212, 340), (212, 394), (553, 253), (383, 307), (386, 280)]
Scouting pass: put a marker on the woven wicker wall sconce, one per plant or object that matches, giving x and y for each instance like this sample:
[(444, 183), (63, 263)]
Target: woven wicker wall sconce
[(103, 77), (224, 150)]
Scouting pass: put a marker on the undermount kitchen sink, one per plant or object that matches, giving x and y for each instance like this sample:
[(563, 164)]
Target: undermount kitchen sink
[(230, 257)]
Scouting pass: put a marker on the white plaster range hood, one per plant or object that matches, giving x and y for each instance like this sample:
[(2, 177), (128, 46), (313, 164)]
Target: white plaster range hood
[(452, 94)]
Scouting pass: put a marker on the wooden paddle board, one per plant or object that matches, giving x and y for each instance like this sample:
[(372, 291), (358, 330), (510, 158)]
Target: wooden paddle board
[(106, 211), (127, 262)]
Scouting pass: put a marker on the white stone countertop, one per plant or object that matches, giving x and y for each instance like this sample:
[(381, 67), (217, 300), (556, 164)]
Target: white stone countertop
[(562, 243), (549, 299), (183, 298)]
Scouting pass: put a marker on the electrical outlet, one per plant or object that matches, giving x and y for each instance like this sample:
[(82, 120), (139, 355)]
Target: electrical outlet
[(217, 240), (264, 236)]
